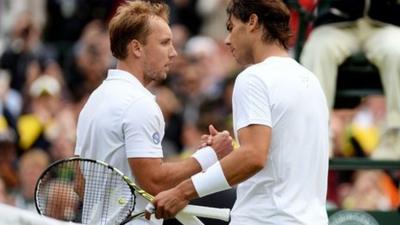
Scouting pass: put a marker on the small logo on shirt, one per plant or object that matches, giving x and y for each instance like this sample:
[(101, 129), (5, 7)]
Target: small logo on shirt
[(156, 138)]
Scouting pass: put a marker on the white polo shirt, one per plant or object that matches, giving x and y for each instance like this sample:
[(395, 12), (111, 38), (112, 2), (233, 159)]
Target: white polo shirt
[(291, 189), (121, 120)]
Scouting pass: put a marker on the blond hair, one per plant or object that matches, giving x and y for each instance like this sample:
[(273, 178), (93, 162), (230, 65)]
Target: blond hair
[(130, 22)]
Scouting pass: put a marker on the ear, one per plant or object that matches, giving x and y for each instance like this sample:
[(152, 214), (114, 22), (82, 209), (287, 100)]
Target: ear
[(253, 22), (135, 48)]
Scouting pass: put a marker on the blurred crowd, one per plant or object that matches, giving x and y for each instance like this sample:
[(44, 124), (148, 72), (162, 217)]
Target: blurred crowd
[(54, 53)]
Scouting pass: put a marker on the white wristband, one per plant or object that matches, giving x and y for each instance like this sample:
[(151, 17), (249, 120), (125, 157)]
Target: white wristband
[(213, 180), (206, 157)]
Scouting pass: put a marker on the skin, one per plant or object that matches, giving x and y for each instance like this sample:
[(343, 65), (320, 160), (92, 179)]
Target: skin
[(247, 46), (150, 62), (158, 52)]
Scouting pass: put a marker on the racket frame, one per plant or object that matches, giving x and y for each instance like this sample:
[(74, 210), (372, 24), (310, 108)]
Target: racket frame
[(186, 216)]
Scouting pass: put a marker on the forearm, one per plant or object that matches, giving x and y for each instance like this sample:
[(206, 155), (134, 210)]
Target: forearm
[(234, 172), (154, 175), (176, 172), (241, 165), (251, 156)]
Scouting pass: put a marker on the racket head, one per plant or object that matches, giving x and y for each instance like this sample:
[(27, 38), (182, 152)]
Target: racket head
[(84, 191)]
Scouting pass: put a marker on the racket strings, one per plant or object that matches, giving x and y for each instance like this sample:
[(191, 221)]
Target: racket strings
[(57, 197), (86, 192)]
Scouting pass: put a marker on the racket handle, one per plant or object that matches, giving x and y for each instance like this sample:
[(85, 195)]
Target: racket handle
[(207, 212), (187, 219)]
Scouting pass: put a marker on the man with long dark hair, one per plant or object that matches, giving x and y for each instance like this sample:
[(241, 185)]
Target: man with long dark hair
[(281, 122)]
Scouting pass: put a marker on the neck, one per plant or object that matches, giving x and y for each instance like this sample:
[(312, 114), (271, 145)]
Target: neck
[(263, 51), (133, 69)]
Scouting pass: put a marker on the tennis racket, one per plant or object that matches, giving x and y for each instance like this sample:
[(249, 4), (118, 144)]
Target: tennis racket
[(92, 192)]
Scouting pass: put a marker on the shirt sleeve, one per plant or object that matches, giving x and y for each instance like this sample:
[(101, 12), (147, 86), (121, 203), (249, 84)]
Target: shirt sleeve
[(143, 128), (250, 102)]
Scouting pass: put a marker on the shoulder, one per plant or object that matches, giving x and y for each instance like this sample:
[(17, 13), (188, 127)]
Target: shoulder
[(145, 104), (250, 76), (143, 111), (259, 70)]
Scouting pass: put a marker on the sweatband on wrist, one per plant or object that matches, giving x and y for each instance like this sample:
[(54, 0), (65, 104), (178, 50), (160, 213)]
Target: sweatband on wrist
[(206, 157), (211, 181)]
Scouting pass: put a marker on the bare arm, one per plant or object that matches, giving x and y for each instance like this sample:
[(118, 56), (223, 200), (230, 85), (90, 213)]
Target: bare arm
[(238, 166), (154, 175), (251, 155)]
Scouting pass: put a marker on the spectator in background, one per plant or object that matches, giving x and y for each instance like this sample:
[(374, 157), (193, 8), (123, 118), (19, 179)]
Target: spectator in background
[(8, 152), (370, 190), (6, 10), (10, 101), (23, 49), (44, 105), (190, 93), (218, 111), (213, 15), (203, 74), (31, 166), (172, 111), (181, 35), (63, 201), (346, 27), (62, 133), (89, 60), (67, 18), (355, 132), (9, 11), (204, 53), (184, 12)]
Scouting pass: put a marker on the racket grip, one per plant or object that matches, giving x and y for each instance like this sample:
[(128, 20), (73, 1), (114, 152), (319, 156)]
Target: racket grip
[(207, 212), (187, 219)]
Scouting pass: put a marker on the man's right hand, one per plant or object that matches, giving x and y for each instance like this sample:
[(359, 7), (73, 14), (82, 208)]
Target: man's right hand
[(206, 139), (221, 142)]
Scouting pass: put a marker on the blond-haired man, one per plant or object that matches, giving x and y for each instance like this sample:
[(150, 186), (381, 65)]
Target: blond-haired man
[(121, 122)]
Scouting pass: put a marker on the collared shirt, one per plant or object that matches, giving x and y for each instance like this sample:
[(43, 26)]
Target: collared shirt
[(121, 120)]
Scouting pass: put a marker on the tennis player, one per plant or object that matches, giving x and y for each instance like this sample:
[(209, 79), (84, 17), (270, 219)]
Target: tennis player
[(281, 122), (121, 122)]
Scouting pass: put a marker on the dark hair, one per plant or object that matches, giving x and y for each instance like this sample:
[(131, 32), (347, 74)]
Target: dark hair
[(132, 22), (273, 15)]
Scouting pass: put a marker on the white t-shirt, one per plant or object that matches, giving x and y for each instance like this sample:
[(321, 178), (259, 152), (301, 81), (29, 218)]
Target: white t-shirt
[(291, 189), (121, 120)]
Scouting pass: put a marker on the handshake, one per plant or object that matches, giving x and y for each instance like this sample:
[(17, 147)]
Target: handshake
[(212, 148)]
